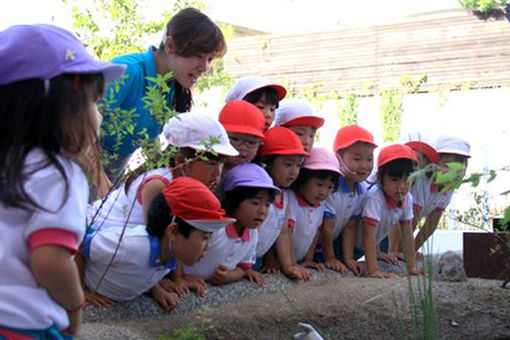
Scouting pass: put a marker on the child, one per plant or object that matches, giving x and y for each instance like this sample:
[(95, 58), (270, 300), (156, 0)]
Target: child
[(389, 205), (181, 220), (298, 116), (129, 203), (260, 92), (450, 150), (245, 127), (48, 117), (191, 42), (249, 193), (354, 147), (420, 190), (282, 153), (317, 179)]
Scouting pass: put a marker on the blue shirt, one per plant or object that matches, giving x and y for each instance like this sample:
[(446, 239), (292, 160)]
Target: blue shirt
[(129, 96)]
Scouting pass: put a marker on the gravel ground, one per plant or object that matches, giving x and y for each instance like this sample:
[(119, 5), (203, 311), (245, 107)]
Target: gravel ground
[(342, 306)]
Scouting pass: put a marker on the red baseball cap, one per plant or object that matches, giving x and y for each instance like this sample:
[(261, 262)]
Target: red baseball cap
[(281, 141), (193, 202), (348, 135), (419, 141), (239, 116), (393, 152)]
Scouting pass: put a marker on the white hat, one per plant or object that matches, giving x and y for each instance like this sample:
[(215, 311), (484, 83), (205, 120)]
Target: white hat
[(193, 129), (454, 145), (418, 141), (249, 84), (295, 111)]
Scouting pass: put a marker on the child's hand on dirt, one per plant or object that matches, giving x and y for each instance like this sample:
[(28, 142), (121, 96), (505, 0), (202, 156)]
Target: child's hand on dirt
[(305, 273), (255, 277), (196, 284), (357, 268), (294, 272), (271, 265), (335, 264), (416, 272), (168, 300), (320, 267), (390, 258), (97, 299), (398, 255), (178, 285), (383, 275), (220, 276)]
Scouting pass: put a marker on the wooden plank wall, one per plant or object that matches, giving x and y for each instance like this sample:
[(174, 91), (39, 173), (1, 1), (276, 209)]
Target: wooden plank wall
[(453, 51)]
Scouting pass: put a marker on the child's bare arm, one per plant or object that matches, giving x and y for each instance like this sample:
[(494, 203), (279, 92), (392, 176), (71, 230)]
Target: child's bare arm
[(409, 252), (271, 264), (428, 229), (93, 298), (223, 276), (55, 271), (348, 241), (149, 191), (371, 250), (309, 257), (168, 300), (330, 260)]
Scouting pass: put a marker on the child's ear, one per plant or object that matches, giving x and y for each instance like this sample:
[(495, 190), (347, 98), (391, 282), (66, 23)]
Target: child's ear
[(171, 231)]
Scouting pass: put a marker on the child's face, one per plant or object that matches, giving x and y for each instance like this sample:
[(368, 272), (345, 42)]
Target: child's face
[(267, 109), (357, 161), (306, 134), (395, 187), (317, 190), (190, 249), (445, 158), (246, 145), (207, 172), (252, 212), (285, 169)]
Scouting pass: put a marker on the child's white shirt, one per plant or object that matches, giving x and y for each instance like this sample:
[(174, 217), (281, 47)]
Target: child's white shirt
[(380, 212), (135, 269), (304, 220), (227, 249), (116, 209), (23, 302), (344, 204), (428, 198), (270, 229)]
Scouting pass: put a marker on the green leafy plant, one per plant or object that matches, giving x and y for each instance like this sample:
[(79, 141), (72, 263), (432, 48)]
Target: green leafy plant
[(187, 333), (483, 5)]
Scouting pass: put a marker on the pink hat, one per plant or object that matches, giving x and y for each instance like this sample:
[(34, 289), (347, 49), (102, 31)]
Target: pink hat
[(249, 84), (295, 111), (322, 159), (195, 130)]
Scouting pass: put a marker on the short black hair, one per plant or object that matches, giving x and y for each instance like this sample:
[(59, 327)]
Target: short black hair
[(270, 92), (397, 168), (159, 217), (235, 197), (307, 174)]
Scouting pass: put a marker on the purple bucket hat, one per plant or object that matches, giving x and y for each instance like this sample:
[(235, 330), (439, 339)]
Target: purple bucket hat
[(46, 51), (248, 175)]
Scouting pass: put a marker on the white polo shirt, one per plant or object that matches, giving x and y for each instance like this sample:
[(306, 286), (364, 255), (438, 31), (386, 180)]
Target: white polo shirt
[(305, 220), (227, 249), (23, 302), (116, 209), (136, 268), (269, 231), (344, 204), (381, 212), (428, 198)]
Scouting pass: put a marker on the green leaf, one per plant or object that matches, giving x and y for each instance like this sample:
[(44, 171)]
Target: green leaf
[(506, 216)]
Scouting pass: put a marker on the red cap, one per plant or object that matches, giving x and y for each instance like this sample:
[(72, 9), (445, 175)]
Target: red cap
[(426, 149), (393, 152), (281, 141), (193, 202), (348, 135), (239, 116)]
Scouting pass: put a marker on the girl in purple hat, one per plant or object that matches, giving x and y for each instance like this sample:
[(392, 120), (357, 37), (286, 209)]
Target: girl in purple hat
[(48, 119), (231, 256)]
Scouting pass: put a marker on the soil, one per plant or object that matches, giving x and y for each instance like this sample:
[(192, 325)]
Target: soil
[(340, 307)]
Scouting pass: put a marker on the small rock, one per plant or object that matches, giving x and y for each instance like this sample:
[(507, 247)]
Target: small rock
[(450, 268), (454, 323)]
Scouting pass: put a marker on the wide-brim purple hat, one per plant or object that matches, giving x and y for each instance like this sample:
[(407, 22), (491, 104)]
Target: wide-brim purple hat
[(46, 51)]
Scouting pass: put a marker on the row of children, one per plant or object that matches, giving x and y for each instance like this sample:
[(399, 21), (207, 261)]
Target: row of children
[(281, 205)]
